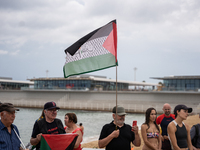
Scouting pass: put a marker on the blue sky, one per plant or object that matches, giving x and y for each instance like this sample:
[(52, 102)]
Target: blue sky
[(159, 38)]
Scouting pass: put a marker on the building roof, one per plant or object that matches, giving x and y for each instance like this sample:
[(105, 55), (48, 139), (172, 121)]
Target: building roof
[(6, 78), (15, 81), (176, 77), (99, 78), (131, 83)]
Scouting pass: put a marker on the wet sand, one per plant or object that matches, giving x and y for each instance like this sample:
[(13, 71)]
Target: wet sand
[(191, 120)]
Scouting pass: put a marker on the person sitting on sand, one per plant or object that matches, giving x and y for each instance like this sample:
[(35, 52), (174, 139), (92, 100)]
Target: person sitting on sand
[(71, 127), (150, 131)]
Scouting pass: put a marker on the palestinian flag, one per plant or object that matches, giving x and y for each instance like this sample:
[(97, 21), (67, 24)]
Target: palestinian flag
[(58, 141), (95, 51)]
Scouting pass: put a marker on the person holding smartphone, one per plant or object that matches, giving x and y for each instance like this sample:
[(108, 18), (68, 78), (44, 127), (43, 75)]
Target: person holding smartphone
[(117, 135)]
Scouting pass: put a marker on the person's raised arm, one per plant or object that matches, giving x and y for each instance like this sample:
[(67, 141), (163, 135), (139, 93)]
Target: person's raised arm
[(144, 137), (104, 142), (137, 141)]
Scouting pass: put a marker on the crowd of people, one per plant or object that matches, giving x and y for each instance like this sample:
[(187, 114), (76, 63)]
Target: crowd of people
[(166, 132)]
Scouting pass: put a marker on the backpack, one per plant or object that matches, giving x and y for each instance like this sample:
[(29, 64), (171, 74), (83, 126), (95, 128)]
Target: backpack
[(194, 140)]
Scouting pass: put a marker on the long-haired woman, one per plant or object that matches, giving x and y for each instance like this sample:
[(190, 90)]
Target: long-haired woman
[(150, 131), (70, 122), (178, 131)]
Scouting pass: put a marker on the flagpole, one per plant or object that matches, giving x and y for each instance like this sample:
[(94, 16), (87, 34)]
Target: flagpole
[(23, 146), (116, 97), (116, 89)]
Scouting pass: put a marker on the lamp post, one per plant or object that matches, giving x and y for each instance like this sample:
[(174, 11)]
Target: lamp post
[(47, 73), (135, 73), (135, 76)]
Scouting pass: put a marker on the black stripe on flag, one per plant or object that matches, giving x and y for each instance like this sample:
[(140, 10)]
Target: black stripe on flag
[(74, 47)]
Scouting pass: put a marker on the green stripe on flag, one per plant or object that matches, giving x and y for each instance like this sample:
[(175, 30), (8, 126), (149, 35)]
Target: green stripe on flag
[(44, 145), (89, 65)]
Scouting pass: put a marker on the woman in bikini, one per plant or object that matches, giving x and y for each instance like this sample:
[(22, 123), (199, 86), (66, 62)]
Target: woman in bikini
[(178, 131), (150, 131), (71, 127)]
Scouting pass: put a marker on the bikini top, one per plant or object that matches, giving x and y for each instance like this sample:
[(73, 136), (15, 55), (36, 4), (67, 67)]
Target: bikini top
[(152, 135)]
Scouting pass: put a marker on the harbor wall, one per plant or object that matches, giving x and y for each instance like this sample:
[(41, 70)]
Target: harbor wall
[(134, 102)]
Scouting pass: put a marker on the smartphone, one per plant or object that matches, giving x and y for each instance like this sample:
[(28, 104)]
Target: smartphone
[(134, 123)]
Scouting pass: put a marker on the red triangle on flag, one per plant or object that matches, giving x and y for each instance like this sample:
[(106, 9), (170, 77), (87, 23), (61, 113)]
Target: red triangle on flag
[(111, 42), (59, 141)]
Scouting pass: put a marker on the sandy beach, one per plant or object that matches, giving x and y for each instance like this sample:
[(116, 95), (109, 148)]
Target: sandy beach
[(191, 120)]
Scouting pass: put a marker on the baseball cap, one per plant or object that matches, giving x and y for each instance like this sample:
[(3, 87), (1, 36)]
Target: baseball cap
[(50, 105), (120, 110), (181, 106), (8, 107)]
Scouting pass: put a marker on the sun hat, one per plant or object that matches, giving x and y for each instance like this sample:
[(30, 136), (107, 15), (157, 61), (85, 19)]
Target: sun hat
[(8, 107), (50, 105), (120, 110)]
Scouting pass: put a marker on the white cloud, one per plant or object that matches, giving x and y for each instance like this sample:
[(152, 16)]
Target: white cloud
[(15, 52), (2, 52)]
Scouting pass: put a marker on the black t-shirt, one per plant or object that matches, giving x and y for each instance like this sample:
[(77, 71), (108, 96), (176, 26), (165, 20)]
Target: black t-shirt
[(51, 129), (122, 142)]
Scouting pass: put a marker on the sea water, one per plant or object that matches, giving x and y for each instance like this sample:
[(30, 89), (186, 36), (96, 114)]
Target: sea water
[(92, 121)]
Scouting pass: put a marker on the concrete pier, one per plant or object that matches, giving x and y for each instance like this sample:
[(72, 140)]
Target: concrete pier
[(134, 102)]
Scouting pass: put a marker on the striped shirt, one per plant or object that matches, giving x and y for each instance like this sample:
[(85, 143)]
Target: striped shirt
[(9, 141)]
